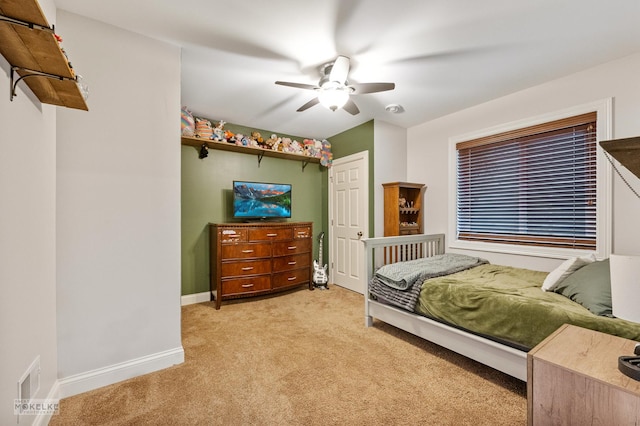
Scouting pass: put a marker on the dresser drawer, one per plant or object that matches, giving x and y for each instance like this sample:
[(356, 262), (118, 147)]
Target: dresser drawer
[(292, 247), (245, 285), (273, 234), (246, 250), (289, 278), (302, 232), (230, 235), (246, 267), (286, 263)]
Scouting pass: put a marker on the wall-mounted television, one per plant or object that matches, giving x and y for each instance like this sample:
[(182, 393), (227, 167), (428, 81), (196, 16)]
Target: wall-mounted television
[(261, 200)]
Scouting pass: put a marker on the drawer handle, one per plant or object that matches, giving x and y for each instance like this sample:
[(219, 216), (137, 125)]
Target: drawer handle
[(247, 268), (247, 251), (291, 278), (272, 235), (247, 285), (292, 247), (292, 263)]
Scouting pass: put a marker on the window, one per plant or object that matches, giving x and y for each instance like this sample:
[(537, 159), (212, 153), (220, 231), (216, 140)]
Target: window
[(532, 186)]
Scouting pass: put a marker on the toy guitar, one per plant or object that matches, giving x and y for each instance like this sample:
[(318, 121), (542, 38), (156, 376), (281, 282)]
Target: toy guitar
[(320, 273)]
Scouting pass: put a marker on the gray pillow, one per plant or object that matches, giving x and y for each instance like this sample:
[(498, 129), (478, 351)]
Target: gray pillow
[(590, 286)]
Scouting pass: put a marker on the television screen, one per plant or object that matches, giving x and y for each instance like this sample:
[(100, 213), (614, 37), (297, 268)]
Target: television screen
[(259, 200)]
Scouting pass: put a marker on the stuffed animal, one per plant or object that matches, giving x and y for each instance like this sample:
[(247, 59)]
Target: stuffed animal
[(218, 132), (271, 142), (203, 128), (257, 138), (296, 147), (326, 157), (308, 147), (285, 145), (318, 148), (187, 123)]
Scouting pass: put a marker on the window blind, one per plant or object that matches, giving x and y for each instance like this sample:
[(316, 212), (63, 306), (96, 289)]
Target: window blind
[(530, 186)]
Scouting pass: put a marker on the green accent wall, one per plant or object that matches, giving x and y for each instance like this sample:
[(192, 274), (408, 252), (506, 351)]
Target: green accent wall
[(207, 194), (207, 198)]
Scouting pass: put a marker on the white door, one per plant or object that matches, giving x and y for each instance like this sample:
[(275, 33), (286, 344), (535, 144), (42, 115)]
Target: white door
[(348, 220)]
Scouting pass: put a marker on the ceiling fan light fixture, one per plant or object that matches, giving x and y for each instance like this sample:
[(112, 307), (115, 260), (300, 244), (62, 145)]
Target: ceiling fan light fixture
[(333, 96)]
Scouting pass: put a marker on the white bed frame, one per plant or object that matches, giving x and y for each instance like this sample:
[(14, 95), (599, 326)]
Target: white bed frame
[(383, 250)]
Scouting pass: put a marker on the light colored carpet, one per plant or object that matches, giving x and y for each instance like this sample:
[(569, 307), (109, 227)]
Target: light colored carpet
[(303, 358)]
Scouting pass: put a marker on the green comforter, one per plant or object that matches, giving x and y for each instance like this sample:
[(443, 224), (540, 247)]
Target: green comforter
[(508, 304)]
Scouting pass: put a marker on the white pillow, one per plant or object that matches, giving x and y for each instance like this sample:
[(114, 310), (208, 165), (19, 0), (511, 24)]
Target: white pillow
[(565, 269)]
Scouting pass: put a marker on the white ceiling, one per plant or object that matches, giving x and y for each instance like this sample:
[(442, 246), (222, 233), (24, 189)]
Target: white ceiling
[(443, 55)]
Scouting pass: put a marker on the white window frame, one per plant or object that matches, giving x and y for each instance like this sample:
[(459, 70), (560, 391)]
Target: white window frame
[(604, 130)]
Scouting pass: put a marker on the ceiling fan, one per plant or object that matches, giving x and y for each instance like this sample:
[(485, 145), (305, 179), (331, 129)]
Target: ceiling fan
[(334, 88)]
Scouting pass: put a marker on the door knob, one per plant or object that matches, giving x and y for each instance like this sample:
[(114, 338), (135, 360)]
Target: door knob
[(359, 234)]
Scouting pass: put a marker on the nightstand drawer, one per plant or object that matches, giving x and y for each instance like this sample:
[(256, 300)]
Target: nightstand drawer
[(245, 285), (249, 267)]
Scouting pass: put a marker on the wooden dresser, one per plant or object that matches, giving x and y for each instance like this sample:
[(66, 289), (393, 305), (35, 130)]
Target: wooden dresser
[(573, 379), (258, 258)]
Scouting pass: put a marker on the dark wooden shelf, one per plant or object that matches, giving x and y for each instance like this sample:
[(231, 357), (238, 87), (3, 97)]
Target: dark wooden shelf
[(409, 210), (225, 146), (38, 50), (626, 151)]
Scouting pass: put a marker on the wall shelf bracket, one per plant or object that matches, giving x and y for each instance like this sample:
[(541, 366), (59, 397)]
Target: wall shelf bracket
[(304, 164), (260, 155), (30, 73), (31, 25)]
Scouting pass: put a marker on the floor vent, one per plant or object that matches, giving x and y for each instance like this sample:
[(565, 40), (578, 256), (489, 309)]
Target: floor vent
[(29, 383)]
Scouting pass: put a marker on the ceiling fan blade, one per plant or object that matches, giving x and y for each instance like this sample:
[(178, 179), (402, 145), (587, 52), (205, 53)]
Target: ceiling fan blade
[(362, 88), (351, 107), (297, 85), (308, 105), (339, 69)]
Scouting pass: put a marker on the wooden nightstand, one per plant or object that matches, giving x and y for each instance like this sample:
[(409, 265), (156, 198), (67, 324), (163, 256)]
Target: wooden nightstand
[(573, 379)]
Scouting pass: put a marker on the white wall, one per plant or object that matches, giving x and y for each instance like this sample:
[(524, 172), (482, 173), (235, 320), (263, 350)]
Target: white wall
[(27, 239), (390, 165), (118, 208), (427, 144)]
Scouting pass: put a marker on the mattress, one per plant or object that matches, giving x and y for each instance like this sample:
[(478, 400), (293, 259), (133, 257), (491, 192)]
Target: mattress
[(507, 304)]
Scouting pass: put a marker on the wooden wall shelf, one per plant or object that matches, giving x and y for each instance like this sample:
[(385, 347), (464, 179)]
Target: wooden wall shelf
[(225, 146), (34, 48)]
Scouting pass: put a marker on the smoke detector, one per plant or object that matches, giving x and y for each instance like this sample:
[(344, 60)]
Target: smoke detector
[(394, 108)]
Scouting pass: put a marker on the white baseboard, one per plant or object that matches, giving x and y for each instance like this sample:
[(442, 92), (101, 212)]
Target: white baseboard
[(100, 377), (190, 299), (44, 419)]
